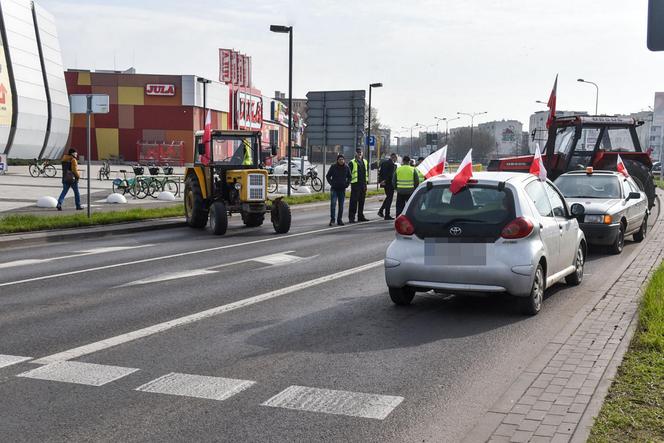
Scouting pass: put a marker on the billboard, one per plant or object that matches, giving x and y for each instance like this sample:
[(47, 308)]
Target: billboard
[(225, 65), (5, 90), (248, 111), (234, 68), (336, 118)]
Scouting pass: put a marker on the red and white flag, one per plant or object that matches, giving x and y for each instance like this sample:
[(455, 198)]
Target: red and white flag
[(620, 167), (552, 103), (434, 164), (463, 175), (207, 136), (537, 166)]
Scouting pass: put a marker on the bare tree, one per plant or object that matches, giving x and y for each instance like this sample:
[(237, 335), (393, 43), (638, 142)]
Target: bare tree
[(483, 145)]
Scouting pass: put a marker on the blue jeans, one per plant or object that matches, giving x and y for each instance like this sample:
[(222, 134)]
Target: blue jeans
[(337, 195), (65, 189)]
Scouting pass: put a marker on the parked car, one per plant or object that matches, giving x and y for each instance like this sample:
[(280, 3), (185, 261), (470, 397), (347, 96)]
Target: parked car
[(296, 162), (614, 206), (657, 168), (503, 233)]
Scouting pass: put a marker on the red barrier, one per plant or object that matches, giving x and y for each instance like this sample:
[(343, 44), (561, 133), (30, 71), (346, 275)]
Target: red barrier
[(160, 153)]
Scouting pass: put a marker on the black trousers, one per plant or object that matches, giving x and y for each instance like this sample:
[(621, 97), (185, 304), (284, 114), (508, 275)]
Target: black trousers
[(387, 203), (401, 202), (358, 193)]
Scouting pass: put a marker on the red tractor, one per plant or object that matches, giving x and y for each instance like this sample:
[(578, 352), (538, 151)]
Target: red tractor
[(578, 141)]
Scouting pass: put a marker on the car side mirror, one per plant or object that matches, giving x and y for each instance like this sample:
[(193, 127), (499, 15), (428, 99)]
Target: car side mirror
[(577, 210), (634, 195), (273, 150), (201, 149)]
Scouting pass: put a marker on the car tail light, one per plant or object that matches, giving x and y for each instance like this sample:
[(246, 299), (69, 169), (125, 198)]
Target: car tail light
[(403, 225), (518, 228)]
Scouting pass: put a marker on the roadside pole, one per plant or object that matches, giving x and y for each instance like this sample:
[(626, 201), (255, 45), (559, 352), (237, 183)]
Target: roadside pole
[(88, 112)]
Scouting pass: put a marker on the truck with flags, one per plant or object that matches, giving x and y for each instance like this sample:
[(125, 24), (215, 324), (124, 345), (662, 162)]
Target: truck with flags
[(580, 141)]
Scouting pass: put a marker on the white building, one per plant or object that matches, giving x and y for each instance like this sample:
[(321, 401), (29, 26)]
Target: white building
[(507, 134), (34, 106)]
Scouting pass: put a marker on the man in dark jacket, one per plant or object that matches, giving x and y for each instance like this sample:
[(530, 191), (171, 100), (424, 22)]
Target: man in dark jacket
[(70, 178), (338, 176), (385, 174)]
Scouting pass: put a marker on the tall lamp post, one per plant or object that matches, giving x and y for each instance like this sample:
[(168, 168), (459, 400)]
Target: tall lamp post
[(371, 85), (205, 82), (580, 80), (288, 30), (447, 125), (472, 118)]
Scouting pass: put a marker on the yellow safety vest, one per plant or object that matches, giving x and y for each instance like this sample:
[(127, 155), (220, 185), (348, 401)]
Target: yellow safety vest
[(420, 175), (353, 177), (405, 179), (247, 161)]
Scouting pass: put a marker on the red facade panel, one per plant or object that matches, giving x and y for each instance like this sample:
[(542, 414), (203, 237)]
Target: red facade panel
[(162, 117), (109, 120), (128, 139)]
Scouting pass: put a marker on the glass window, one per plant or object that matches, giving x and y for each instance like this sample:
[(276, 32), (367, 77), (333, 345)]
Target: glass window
[(537, 194), (617, 139), (589, 186), (556, 201)]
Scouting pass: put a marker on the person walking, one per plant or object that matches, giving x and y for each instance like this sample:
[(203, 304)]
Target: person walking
[(385, 174), (405, 181), (338, 177), (70, 178), (359, 170)]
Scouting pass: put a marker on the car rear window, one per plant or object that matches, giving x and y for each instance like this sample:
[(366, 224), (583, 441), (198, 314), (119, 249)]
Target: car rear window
[(589, 186), (480, 211)]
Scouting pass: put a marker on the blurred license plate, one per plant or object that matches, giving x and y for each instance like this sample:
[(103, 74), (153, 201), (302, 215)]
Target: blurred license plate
[(443, 252)]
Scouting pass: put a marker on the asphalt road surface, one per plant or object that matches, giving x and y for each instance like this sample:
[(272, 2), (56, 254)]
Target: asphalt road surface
[(178, 335)]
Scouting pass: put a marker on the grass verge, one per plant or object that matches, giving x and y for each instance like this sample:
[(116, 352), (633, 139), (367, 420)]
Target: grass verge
[(634, 407), (659, 183), (27, 223)]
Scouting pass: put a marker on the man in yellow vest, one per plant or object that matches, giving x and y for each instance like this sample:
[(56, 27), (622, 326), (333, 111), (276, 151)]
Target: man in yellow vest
[(359, 170), (405, 182)]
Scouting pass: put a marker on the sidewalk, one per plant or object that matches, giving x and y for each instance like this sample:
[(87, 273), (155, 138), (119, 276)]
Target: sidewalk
[(557, 397)]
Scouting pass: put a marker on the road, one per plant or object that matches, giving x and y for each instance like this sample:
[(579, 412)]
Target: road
[(179, 335)]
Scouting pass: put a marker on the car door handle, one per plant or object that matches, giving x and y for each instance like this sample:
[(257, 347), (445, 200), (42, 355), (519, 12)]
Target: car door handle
[(541, 226), (560, 226)]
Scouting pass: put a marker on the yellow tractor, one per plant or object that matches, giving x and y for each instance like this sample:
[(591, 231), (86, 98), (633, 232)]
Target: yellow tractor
[(225, 179)]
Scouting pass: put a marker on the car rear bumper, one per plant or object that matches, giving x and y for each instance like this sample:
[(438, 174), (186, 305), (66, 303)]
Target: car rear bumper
[(599, 234)]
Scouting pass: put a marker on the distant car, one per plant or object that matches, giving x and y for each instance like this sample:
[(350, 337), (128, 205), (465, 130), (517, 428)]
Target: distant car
[(614, 206), (504, 233), (282, 167), (657, 167)]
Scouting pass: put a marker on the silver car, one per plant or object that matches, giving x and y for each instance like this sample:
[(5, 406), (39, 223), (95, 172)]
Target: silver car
[(503, 233)]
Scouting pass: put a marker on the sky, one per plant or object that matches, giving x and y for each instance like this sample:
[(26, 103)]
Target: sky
[(434, 58)]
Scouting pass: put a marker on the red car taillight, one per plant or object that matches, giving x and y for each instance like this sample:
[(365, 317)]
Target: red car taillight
[(403, 225), (518, 228)]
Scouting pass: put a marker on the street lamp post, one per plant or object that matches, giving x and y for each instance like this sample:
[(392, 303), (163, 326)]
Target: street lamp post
[(472, 118), (447, 125), (371, 85), (288, 30), (580, 80), (205, 82)]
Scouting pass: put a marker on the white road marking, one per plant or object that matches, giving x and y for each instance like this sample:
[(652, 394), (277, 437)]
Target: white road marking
[(278, 259), (8, 360), (354, 404), (34, 261), (187, 319), (181, 254), (198, 386), (167, 277), (79, 373)]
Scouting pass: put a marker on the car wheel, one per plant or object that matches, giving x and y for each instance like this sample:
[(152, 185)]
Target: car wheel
[(576, 277), (532, 304), (402, 296), (641, 234), (619, 243)]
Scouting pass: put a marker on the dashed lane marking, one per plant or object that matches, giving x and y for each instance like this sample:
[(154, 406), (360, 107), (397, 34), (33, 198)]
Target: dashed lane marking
[(187, 319), (80, 373), (198, 386), (169, 276), (34, 261), (328, 401), (9, 360)]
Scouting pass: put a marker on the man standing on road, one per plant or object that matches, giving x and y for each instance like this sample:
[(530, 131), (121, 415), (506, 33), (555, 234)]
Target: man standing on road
[(405, 181), (338, 176), (359, 170), (70, 177), (385, 174)]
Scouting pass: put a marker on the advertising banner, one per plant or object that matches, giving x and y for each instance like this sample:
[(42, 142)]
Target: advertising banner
[(248, 111), (225, 65), (234, 67), (5, 90), (250, 83), (240, 69)]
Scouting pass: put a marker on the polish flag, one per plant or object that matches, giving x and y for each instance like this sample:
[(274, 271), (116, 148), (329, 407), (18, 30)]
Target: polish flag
[(434, 164), (620, 167), (463, 175), (537, 167), (207, 136), (552, 103)]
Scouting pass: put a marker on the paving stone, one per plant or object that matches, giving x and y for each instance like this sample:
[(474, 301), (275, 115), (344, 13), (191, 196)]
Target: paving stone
[(529, 425), (542, 405), (536, 415), (558, 409), (546, 430), (564, 400), (552, 419), (539, 439), (521, 437), (567, 392), (514, 419), (520, 408), (566, 428), (560, 438), (505, 429)]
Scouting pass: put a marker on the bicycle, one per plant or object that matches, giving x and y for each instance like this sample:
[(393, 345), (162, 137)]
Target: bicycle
[(311, 176), (273, 183), (134, 186), (155, 185), (44, 168), (105, 171)]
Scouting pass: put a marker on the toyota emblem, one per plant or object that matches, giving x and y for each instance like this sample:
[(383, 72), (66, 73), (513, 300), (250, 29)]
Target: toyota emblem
[(455, 231)]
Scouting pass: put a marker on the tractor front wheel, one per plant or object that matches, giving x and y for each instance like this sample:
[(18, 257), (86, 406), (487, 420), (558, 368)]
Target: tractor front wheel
[(281, 217), (643, 178), (194, 206), (218, 218)]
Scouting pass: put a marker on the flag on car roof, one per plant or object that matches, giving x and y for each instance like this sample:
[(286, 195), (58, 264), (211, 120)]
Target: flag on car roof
[(464, 174), (537, 166), (207, 136), (434, 164), (620, 167), (552, 103)]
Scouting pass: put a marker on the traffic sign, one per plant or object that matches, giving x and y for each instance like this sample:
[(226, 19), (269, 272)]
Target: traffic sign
[(372, 140)]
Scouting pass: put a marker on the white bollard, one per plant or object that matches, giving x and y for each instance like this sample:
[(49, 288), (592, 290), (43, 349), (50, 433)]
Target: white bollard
[(116, 198), (47, 202), (166, 196)]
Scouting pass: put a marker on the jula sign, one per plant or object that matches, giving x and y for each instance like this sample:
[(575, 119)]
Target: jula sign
[(165, 90)]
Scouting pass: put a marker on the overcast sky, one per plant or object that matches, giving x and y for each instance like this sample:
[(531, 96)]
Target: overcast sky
[(434, 57)]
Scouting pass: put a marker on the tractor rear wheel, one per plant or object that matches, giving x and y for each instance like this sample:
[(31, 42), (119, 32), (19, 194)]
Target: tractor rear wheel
[(281, 217), (218, 218), (194, 206), (643, 177), (253, 220)]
